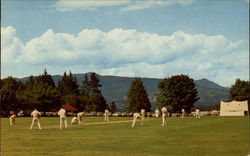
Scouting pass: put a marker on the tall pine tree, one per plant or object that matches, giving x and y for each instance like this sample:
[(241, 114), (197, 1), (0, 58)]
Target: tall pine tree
[(138, 97)]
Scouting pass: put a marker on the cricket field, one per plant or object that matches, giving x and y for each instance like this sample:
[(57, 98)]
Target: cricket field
[(219, 136)]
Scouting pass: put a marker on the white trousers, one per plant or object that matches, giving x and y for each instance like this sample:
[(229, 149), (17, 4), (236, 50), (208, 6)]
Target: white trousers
[(106, 118), (183, 114), (38, 123), (134, 120), (164, 122), (12, 121), (79, 118), (63, 120)]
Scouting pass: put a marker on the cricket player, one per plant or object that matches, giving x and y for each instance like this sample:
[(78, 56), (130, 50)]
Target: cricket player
[(164, 116), (157, 113), (74, 121), (197, 113), (183, 112), (79, 117), (106, 115), (36, 118), (135, 117), (63, 119), (13, 119)]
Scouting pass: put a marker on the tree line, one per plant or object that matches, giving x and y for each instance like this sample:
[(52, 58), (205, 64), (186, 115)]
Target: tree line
[(40, 92)]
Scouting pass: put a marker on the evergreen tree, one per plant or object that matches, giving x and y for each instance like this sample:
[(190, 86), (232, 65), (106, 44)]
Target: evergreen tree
[(138, 97), (240, 90), (69, 90), (46, 79), (96, 100), (113, 106), (68, 85), (95, 84), (177, 92), (86, 86)]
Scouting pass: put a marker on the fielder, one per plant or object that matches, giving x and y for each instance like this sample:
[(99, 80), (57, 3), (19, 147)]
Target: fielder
[(63, 119), (13, 119), (164, 116), (74, 121), (106, 115), (135, 117), (36, 118), (183, 112), (197, 113), (79, 117), (157, 113)]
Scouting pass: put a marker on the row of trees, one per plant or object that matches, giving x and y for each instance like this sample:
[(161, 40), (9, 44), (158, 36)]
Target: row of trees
[(40, 92), (176, 92)]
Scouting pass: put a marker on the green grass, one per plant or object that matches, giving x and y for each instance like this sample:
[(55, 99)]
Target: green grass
[(227, 136)]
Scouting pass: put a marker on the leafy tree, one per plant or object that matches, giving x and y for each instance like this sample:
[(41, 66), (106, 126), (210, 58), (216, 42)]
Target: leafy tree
[(177, 92), (240, 90), (97, 103), (9, 89), (138, 97), (40, 93)]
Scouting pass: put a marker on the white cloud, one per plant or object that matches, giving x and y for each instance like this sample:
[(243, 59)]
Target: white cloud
[(126, 53), (125, 5)]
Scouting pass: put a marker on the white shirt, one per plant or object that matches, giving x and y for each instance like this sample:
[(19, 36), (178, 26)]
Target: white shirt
[(13, 117), (74, 119), (164, 110), (80, 114), (62, 113), (136, 115), (35, 114), (157, 111), (197, 111), (106, 112), (142, 111), (183, 110)]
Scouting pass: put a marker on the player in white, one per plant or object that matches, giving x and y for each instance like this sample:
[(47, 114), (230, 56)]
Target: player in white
[(183, 112), (74, 121), (157, 113), (164, 116), (63, 119), (197, 113), (36, 118), (79, 117), (106, 115), (135, 117), (12, 119)]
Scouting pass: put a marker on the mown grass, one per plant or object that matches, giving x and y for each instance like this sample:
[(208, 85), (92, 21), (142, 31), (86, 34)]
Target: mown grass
[(227, 136)]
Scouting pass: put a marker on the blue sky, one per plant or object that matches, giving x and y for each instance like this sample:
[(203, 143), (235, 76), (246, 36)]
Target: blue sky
[(204, 39)]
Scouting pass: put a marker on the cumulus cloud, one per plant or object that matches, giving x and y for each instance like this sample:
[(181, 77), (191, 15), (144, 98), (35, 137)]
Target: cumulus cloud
[(125, 5), (128, 53)]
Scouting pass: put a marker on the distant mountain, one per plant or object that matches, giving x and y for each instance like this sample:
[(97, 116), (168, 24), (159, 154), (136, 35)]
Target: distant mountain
[(115, 88)]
